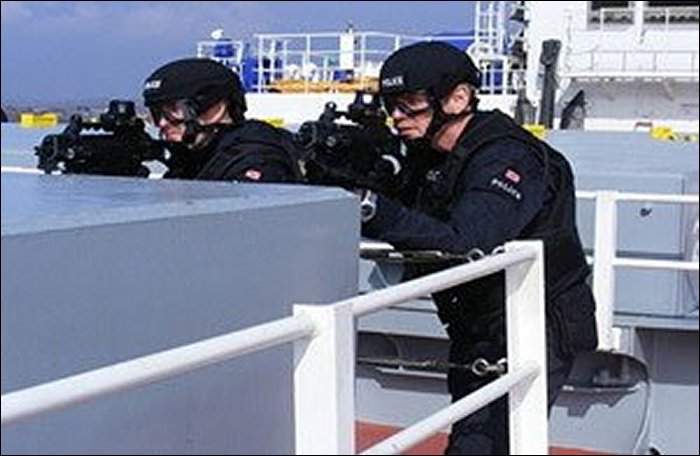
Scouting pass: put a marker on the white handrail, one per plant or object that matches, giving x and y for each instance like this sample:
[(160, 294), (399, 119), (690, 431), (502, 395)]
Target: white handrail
[(19, 169), (324, 363), (605, 253), (83, 387), (414, 434), (656, 264), (324, 382), (524, 267), (416, 288), (328, 61), (604, 279), (643, 197)]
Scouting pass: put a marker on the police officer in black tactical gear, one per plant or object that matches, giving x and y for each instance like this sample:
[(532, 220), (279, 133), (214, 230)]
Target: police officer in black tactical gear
[(477, 181), (198, 105)]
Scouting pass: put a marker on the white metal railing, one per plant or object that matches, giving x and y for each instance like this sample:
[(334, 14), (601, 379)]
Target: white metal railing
[(635, 63), (603, 18), (523, 263), (667, 17), (328, 61), (611, 16), (622, 49), (324, 362), (19, 169), (83, 387), (605, 259), (409, 437), (316, 58)]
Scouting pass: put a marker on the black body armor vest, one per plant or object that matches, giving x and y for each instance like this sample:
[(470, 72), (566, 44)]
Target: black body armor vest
[(477, 303)]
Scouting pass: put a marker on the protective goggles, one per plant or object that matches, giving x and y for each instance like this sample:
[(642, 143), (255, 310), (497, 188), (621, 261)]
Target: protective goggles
[(393, 103), (175, 113)]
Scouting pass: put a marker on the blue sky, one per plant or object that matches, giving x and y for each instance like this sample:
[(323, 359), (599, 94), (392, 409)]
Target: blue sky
[(68, 50)]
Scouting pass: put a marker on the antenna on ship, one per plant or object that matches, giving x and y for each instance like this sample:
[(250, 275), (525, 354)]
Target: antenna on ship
[(222, 49), (497, 32)]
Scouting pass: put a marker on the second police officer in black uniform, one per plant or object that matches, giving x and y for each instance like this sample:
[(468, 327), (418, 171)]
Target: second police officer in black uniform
[(198, 105), (478, 181)]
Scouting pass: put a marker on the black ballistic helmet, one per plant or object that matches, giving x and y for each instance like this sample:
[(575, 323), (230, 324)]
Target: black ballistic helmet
[(434, 66), (202, 82)]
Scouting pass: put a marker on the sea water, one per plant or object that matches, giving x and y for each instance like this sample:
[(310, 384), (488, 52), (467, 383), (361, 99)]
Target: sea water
[(17, 144)]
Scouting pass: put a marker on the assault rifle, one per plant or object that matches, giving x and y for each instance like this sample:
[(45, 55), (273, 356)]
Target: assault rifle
[(120, 150), (363, 153)]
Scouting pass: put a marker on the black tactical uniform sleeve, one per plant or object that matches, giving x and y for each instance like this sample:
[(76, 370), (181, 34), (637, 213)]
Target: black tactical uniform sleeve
[(500, 191)]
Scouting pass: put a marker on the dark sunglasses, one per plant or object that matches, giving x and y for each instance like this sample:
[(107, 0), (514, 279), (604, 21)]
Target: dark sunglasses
[(158, 114), (187, 107), (404, 109)]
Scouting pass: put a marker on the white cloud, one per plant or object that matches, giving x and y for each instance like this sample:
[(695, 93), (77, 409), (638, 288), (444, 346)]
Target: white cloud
[(171, 20), (52, 17), (88, 11), (164, 21), (14, 12), (155, 25)]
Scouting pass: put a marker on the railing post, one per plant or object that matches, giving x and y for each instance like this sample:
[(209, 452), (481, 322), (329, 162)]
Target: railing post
[(525, 323), (324, 382), (260, 69), (604, 252)]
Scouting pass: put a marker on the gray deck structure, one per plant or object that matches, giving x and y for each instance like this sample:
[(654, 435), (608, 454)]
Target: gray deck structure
[(642, 397), (99, 270)]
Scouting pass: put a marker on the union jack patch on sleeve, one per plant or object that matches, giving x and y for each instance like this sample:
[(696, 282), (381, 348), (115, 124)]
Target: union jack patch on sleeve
[(253, 174), (512, 175)]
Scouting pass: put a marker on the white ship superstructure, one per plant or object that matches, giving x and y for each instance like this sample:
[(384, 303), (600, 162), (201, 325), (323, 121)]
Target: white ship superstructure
[(636, 61), (626, 64)]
